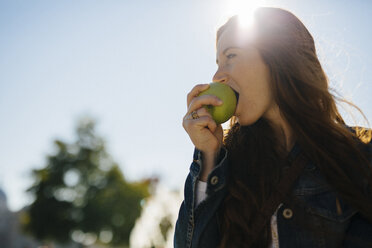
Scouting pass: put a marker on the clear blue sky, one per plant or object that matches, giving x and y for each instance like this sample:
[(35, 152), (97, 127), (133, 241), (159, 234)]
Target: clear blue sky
[(130, 65)]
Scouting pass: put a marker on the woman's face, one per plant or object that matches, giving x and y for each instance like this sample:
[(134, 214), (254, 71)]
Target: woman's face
[(242, 68)]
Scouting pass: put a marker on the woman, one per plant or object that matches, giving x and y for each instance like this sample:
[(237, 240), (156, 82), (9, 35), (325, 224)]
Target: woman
[(288, 172)]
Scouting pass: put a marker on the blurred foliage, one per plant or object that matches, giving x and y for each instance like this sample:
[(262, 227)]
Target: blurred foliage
[(82, 191), (164, 226)]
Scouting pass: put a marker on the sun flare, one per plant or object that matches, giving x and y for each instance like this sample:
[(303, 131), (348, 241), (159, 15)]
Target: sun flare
[(244, 9)]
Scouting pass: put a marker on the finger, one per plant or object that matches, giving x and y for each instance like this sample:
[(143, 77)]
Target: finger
[(199, 113), (206, 121), (203, 112), (188, 115), (200, 101), (196, 91)]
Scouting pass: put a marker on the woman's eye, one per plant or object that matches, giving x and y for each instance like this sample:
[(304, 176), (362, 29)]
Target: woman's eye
[(231, 55)]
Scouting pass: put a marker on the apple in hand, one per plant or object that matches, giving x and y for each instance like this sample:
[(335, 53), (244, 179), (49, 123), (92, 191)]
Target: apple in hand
[(221, 113)]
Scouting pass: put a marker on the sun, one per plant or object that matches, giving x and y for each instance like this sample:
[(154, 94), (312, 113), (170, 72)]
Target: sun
[(244, 9)]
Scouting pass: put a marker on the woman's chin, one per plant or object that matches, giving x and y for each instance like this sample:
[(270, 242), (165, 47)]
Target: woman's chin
[(246, 121)]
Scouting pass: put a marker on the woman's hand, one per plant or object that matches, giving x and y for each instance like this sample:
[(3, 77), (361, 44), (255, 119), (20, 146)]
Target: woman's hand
[(204, 133)]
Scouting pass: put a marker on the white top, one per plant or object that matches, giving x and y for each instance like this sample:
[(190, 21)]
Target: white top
[(201, 194)]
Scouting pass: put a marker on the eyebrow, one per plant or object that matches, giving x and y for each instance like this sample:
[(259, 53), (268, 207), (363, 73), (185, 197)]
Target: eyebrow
[(226, 49)]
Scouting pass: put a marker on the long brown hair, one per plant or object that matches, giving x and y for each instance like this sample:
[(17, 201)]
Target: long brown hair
[(300, 88)]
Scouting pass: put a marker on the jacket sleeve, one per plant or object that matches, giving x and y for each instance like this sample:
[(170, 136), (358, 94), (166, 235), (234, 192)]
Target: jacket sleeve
[(359, 233), (188, 218), (184, 224)]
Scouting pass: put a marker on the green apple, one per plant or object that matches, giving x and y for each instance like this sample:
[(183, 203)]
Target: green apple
[(221, 113)]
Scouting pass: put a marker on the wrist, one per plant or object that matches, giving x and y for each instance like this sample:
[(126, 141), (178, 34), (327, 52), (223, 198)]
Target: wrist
[(209, 160)]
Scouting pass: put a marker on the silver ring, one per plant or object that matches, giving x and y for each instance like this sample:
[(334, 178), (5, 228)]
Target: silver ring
[(194, 115)]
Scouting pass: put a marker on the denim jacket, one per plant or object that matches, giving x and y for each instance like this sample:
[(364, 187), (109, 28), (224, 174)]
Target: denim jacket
[(200, 227)]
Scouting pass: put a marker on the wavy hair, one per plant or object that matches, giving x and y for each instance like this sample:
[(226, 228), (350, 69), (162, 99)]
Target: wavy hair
[(300, 88)]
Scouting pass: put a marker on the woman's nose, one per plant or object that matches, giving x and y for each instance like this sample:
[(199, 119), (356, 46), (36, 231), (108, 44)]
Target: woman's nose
[(220, 77)]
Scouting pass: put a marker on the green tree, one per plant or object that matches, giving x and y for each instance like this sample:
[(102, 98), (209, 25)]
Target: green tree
[(81, 192)]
